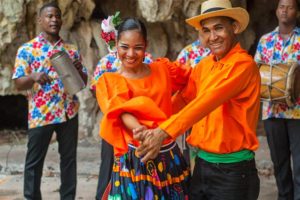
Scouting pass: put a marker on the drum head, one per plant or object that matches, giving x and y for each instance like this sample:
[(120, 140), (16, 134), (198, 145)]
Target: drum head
[(280, 83), (274, 81)]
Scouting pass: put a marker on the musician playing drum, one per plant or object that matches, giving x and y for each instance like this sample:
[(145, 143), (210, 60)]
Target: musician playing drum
[(282, 122)]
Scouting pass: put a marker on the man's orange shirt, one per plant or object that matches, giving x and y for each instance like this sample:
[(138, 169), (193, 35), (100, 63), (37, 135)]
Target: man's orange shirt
[(225, 106)]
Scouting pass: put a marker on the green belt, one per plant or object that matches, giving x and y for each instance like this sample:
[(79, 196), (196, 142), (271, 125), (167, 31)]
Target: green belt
[(226, 158)]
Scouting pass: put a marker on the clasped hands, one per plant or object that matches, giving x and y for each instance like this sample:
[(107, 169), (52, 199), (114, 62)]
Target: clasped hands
[(150, 142)]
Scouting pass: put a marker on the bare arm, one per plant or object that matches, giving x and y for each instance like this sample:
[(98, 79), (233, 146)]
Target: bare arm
[(26, 82), (130, 121)]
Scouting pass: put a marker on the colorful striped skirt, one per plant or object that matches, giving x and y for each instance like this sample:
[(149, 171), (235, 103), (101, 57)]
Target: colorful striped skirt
[(165, 177)]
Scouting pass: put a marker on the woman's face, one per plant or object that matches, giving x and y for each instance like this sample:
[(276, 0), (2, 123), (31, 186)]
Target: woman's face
[(131, 48)]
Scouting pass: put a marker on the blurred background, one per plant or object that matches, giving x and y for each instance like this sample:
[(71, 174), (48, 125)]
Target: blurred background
[(167, 34)]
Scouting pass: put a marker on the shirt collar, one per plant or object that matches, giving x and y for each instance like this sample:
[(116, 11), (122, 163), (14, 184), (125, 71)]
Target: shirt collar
[(296, 30), (41, 38)]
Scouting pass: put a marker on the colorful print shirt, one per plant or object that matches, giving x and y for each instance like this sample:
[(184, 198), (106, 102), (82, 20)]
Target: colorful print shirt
[(49, 103), (272, 49), (192, 54), (110, 63)]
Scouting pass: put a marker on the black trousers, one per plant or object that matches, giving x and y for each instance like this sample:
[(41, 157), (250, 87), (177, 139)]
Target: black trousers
[(283, 137), (38, 142), (234, 181), (107, 161)]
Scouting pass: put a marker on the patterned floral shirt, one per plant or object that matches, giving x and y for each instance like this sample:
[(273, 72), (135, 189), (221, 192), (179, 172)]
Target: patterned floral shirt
[(192, 54), (110, 63), (49, 103), (272, 49)]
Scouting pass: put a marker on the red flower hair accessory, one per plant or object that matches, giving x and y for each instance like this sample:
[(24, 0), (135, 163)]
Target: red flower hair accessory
[(109, 32)]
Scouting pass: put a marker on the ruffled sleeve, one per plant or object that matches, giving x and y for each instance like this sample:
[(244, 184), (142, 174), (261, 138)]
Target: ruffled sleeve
[(114, 98), (114, 131), (181, 98), (111, 91), (178, 73)]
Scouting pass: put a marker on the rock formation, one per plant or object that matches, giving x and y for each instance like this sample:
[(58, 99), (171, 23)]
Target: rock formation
[(168, 34)]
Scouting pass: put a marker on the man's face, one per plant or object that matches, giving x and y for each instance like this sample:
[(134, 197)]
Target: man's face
[(286, 11), (50, 21), (218, 34)]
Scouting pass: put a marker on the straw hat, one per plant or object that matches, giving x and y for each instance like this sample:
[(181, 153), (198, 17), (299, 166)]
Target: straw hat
[(220, 8)]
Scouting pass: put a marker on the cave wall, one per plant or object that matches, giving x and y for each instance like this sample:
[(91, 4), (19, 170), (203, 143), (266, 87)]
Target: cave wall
[(168, 34)]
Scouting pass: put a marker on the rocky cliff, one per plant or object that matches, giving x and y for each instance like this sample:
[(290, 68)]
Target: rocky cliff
[(168, 33)]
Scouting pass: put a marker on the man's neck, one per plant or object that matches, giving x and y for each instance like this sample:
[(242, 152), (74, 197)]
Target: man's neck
[(51, 38), (286, 29), (218, 58)]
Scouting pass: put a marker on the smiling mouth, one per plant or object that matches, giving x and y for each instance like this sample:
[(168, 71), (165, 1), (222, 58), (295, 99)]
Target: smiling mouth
[(54, 26), (215, 45), (130, 61)]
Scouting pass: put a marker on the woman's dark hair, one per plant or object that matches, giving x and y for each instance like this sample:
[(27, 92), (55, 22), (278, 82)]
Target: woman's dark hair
[(132, 24)]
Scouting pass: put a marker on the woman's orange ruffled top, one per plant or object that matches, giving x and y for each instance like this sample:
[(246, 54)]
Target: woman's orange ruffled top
[(147, 98)]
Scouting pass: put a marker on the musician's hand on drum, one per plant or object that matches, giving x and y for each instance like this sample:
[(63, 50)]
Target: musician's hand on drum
[(77, 64), (41, 78)]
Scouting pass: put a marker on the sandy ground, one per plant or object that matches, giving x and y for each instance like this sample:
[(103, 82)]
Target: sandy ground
[(12, 155)]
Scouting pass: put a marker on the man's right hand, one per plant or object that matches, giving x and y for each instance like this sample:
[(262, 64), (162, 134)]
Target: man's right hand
[(152, 140), (140, 133), (26, 82), (41, 78)]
